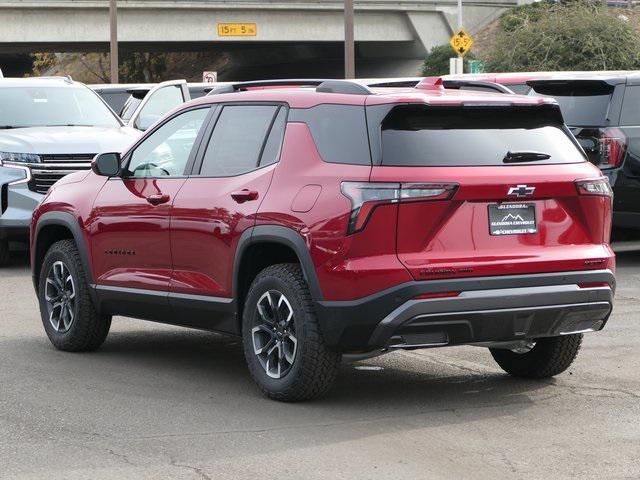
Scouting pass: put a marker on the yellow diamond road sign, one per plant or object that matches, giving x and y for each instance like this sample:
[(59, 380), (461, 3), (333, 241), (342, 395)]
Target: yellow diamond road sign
[(461, 42)]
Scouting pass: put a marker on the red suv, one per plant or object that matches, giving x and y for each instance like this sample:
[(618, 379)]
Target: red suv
[(327, 218)]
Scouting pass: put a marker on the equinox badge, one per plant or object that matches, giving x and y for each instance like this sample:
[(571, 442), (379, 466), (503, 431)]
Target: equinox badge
[(521, 191)]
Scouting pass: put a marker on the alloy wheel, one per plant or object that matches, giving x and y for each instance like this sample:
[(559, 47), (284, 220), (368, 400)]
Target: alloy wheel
[(60, 295), (274, 335)]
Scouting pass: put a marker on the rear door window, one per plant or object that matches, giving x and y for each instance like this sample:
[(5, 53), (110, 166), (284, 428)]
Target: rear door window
[(584, 103), (417, 135), (237, 141)]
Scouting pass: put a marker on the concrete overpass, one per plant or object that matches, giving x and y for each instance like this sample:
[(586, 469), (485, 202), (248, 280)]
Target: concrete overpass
[(392, 36)]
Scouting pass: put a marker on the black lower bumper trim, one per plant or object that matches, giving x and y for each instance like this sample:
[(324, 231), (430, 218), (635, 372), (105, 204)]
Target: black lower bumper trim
[(17, 233), (488, 309)]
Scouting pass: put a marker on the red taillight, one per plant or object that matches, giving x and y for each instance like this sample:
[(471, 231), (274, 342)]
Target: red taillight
[(426, 296), (594, 186), (366, 196), (613, 147)]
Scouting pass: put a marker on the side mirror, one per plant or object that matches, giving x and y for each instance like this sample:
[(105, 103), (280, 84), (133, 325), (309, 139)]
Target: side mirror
[(106, 164)]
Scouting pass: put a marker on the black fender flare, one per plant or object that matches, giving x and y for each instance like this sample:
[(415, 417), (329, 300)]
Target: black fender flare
[(63, 219), (284, 236)]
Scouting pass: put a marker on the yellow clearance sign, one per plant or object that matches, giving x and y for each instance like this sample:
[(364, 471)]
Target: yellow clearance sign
[(237, 29), (461, 42)]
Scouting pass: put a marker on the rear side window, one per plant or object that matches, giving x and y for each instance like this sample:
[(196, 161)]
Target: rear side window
[(237, 140), (519, 88), (339, 132), (417, 135), (583, 103), (631, 107)]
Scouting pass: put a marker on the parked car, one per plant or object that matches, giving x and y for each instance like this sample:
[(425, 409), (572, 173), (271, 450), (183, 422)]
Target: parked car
[(117, 94), (603, 112), (337, 220), (139, 105), (49, 127), (146, 103)]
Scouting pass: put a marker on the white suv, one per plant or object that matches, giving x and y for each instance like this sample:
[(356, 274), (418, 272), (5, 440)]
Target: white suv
[(49, 127)]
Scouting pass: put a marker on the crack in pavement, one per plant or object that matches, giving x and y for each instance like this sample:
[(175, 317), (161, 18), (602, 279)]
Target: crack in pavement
[(174, 463), (121, 456)]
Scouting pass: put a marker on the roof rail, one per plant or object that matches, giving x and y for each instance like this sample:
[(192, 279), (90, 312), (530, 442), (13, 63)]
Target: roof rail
[(439, 83), (458, 84), (322, 85), (66, 78)]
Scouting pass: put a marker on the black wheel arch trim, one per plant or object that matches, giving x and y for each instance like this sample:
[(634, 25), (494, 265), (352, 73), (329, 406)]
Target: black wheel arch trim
[(67, 220), (285, 236)]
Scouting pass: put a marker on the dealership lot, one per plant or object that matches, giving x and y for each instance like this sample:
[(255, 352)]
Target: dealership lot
[(159, 402)]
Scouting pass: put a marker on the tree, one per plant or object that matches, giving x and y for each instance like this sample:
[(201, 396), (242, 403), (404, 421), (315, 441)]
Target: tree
[(437, 61), (575, 35)]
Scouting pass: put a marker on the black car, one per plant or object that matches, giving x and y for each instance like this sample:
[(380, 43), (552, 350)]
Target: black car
[(603, 112)]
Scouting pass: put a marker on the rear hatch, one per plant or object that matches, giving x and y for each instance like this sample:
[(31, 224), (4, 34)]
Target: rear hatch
[(591, 108), (490, 190)]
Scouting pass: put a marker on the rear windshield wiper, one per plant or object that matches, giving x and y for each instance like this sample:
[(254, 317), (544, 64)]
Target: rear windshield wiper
[(515, 157)]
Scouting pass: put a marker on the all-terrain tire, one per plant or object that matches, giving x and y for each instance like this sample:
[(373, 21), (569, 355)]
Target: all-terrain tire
[(549, 357), (89, 329), (315, 366)]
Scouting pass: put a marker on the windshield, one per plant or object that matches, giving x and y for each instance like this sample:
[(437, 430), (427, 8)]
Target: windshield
[(422, 136), (53, 106)]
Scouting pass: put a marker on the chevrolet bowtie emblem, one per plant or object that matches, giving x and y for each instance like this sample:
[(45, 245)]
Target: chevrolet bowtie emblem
[(521, 191)]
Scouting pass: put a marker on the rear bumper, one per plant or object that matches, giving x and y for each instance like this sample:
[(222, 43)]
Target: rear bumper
[(488, 309)]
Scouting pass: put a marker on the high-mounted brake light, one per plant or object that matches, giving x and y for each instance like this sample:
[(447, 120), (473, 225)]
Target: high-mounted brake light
[(594, 186), (613, 147), (366, 196)]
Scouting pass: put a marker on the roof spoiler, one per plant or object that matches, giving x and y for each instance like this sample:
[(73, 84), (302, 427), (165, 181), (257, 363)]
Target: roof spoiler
[(322, 85)]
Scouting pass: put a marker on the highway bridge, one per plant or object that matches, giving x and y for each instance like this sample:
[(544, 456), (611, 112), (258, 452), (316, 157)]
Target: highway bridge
[(392, 36)]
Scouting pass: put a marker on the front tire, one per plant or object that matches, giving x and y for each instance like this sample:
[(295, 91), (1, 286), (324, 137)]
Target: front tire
[(283, 344), (68, 314), (548, 357)]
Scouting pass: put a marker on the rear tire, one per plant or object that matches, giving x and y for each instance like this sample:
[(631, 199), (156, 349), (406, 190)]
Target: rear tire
[(549, 357), (283, 345), (68, 314), (4, 252)]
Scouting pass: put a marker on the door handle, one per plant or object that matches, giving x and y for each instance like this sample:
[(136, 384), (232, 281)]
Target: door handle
[(245, 195), (158, 199)]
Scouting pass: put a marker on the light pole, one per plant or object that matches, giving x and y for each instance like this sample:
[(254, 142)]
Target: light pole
[(113, 39), (349, 46)]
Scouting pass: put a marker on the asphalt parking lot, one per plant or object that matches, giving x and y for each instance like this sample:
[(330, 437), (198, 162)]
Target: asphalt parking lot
[(162, 402)]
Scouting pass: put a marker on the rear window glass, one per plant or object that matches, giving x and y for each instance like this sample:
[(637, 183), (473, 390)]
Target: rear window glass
[(463, 136), (583, 103), (631, 107)]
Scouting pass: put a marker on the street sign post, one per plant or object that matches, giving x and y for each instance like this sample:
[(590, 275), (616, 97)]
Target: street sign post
[(461, 42)]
